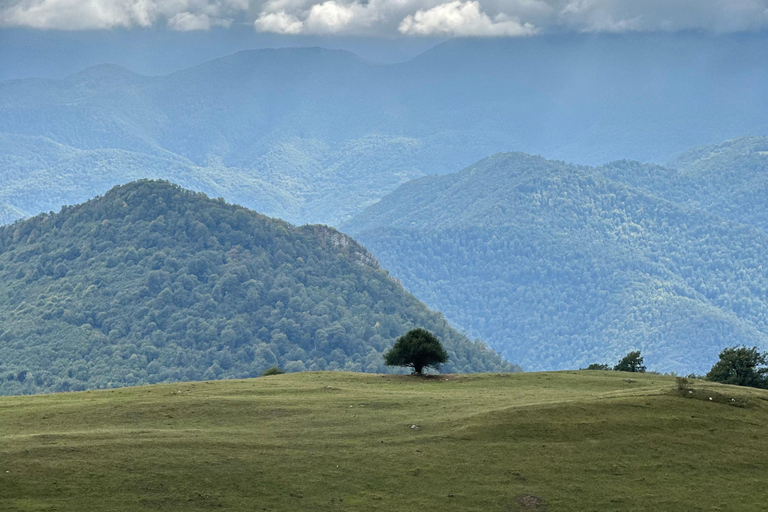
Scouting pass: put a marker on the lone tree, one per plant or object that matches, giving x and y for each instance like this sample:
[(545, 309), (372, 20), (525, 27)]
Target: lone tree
[(739, 366), (632, 362), (418, 349)]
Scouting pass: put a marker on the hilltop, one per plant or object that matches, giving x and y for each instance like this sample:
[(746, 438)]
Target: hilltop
[(153, 283), (569, 441), (559, 266)]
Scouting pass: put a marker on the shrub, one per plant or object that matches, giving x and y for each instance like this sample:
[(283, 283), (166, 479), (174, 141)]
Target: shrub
[(275, 370)]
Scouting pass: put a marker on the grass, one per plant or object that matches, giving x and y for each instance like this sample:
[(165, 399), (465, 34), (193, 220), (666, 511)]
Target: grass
[(339, 441)]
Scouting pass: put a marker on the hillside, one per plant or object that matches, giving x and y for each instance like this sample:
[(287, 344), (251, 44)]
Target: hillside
[(153, 283), (314, 135), (731, 178), (570, 441), (560, 266)]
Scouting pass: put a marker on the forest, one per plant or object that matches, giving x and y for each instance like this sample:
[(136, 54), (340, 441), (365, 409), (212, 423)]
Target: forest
[(558, 266), (153, 283)]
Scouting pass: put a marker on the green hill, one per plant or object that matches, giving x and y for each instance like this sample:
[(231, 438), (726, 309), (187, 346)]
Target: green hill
[(560, 266), (570, 441), (153, 283)]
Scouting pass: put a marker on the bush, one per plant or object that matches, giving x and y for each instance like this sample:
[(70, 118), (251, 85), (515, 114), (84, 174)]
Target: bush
[(275, 370), (683, 384)]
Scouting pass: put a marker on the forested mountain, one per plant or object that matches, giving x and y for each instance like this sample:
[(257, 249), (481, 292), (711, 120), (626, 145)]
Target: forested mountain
[(730, 179), (313, 135), (559, 266), (153, 283)]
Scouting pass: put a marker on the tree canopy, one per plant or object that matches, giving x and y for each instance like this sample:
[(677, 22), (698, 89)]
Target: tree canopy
[(741, 366), (632, 362), (417, 349)]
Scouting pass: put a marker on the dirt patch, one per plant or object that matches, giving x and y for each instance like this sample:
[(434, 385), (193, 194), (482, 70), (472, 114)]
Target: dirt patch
[(531, 502)]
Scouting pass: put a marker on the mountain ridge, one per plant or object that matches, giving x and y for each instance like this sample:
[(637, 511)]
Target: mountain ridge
[(560, 266), (153, 283), (303, 119)]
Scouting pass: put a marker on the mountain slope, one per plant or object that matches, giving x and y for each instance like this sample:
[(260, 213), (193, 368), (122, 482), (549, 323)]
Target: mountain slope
[(153, 283), (731, 178), (331, 133), (558, 266)]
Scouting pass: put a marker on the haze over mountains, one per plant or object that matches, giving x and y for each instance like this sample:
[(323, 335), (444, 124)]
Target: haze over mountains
[(152, 283), (559, 266), (312, 135)]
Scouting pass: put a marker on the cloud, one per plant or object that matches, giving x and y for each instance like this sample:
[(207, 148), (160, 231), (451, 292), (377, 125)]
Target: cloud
[(328, 17), (718, 16), (187, 21), (108, 14), (463, 19), (394, 17), (79, 14), (279, 23)]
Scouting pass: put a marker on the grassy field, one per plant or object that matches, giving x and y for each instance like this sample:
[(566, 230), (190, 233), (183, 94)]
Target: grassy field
[(338, 441)]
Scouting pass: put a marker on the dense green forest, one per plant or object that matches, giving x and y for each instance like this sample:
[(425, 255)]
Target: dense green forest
[(560, 266), (153, 283), (315, 136)]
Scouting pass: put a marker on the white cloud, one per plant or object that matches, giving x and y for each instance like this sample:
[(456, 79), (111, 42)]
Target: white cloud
[(186, 21), (107, 14), (390, 17), (279, 23), (463, 19), (328, 17), (79, 14)]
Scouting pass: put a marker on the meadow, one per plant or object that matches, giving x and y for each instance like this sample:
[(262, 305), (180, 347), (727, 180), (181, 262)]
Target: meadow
[(577, 440)]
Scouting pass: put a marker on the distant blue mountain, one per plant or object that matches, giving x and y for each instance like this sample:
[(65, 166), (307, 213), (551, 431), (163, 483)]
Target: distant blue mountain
[(314, 135), (559, 266)]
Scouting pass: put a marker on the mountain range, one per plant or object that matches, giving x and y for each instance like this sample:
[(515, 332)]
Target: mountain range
[(315, 136), (558, 266)]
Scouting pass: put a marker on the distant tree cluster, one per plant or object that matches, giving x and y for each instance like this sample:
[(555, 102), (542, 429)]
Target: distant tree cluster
[(741, 366), (632, 362)]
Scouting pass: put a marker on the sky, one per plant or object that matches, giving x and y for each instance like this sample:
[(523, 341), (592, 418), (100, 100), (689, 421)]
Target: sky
[(392, 18)]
